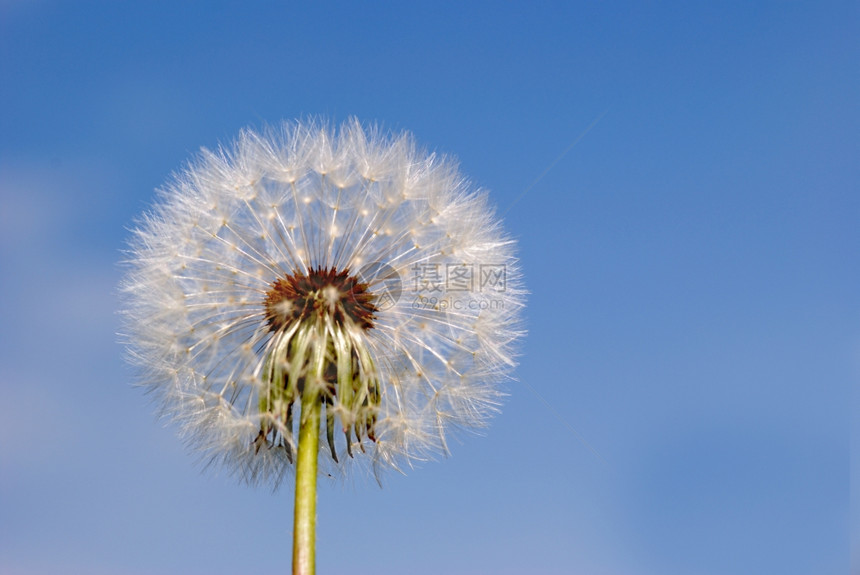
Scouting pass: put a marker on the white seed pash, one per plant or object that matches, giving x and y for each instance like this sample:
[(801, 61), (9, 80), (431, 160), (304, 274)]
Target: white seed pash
[(344, 259)]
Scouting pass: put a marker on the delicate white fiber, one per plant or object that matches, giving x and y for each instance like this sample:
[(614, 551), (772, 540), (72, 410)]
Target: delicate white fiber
[(307, 196)]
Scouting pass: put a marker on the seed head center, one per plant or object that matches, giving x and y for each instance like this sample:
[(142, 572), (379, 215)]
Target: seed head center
[(322, 292), (318, 353)]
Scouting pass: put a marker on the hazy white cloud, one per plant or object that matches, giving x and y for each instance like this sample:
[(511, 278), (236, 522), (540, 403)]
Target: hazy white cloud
[(58, 312)]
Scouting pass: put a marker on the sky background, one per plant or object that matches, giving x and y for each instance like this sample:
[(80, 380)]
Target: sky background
[(682, 179)]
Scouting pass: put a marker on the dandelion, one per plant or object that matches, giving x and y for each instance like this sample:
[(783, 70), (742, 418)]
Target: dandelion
[(312, 282)]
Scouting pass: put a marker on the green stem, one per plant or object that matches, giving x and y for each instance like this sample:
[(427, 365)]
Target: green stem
[(305, 517)]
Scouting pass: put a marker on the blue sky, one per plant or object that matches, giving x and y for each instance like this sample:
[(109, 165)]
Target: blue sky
[(691, 258)]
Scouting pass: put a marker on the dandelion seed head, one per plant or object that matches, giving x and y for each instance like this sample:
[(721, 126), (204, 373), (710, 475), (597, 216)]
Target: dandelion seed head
[(340, 260)]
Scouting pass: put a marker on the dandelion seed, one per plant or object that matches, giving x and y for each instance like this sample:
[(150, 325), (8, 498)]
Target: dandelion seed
[(310, 281)]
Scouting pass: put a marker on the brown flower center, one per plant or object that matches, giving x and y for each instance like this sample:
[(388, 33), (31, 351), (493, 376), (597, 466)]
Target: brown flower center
[(322, 292), (318, 353)]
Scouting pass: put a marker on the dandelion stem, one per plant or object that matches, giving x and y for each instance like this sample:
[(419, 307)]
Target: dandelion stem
[(305, 516)]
